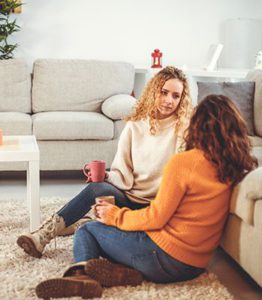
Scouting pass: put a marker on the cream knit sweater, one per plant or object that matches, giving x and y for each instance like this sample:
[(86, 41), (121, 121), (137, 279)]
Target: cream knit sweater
[(141, 156)]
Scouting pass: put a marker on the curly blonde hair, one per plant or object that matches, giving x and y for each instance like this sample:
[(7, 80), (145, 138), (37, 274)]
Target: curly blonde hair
[(146, 106)]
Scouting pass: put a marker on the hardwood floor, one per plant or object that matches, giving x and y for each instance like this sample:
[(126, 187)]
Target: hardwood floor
[(237, 281)]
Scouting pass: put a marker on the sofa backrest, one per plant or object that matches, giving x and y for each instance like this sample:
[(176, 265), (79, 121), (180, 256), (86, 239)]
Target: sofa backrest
[(78, 85), (15, 86), (256, 75)]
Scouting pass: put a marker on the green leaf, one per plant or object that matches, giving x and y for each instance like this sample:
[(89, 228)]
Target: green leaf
[(7, 28)]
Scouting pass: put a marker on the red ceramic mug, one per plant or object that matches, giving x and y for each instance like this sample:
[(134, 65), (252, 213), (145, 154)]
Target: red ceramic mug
[(95, 170)]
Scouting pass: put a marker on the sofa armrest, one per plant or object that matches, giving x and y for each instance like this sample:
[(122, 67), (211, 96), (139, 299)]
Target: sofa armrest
[(118, 106), (258, 213), (245, 197)]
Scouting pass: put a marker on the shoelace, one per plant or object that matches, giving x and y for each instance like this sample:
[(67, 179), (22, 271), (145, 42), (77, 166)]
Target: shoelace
[(49, 228)]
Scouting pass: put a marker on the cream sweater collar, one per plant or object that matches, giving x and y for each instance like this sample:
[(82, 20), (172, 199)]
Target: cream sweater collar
[(167, 122)]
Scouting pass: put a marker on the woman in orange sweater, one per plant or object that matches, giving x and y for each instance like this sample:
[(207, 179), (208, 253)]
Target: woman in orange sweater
[(174, 237)]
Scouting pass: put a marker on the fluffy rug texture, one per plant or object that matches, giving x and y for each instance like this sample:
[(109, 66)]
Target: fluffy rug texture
[(19, 273)]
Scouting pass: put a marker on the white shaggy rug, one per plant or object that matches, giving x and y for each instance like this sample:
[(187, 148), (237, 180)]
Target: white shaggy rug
[(19, 273)]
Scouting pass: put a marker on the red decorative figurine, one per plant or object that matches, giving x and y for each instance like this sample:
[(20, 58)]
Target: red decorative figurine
[(156, 59)]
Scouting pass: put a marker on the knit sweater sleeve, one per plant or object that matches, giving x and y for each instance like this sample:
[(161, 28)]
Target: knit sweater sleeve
[(121, 172), (157, 214)]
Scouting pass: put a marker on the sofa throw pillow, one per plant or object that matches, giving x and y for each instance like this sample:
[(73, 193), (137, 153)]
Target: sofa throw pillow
[(241, 93), (118, 106)]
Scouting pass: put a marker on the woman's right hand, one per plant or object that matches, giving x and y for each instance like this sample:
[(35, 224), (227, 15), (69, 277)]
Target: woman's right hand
[(89, 178)]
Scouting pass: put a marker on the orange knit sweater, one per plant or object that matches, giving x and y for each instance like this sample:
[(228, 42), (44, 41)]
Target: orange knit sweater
[(187, 216)]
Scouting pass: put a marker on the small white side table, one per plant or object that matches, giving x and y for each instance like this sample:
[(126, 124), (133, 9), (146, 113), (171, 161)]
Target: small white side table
[(25, 148)]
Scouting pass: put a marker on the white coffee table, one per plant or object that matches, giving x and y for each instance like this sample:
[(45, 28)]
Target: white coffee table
[(25, 148)]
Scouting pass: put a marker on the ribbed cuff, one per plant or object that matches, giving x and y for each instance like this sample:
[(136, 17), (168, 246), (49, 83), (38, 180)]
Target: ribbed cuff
[(111, 216)]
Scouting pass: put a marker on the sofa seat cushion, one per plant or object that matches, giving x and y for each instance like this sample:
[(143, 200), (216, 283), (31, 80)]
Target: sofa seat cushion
[(258, 214), (246, 195), (256, 141), (63, 125), (15, 123), (257, 152), (257, 148), (15, 86)]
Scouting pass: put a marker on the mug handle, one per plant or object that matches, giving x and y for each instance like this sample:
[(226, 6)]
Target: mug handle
[(86, 167)]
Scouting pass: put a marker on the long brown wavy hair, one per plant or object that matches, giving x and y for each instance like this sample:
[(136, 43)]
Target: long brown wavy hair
[(146, 106), (218, 129)]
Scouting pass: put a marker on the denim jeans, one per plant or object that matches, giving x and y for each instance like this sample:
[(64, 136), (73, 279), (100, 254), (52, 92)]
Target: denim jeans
[(132, 248), (81, 204)]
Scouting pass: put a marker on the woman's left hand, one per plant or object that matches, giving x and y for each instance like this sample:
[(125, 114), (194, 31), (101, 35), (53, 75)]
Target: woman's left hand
[(101, 209)]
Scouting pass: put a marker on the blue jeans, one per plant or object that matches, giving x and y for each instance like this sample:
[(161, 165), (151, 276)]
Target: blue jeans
[(132, 248), (81, 204)]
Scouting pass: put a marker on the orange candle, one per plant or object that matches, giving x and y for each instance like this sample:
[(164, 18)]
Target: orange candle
[(1, 136)]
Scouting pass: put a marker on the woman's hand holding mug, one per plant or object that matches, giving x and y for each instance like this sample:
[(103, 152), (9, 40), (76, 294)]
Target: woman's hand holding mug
[(102, 206), (95, 171)]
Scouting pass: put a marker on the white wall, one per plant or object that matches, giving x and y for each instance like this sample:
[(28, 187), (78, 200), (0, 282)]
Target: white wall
[(127, 30)]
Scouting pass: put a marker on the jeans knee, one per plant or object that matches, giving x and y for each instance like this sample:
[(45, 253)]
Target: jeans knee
[(93, 226), (97, 187), (80, 230)]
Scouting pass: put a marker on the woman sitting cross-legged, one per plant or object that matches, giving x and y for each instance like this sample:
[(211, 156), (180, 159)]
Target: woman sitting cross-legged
[(174, 237)]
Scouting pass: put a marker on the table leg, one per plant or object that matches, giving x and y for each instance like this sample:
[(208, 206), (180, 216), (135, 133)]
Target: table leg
[(33, 201)]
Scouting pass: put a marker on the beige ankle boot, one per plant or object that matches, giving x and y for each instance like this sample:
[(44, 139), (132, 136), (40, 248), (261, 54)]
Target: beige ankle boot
[(35, 242), (72, 228)]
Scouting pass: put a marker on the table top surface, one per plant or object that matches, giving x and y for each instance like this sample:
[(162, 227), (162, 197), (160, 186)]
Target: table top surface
[(19, 148), (19, 143)]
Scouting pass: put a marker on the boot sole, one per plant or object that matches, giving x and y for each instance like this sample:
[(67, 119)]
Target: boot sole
[(64, 287), (111, 274), (28, 246)]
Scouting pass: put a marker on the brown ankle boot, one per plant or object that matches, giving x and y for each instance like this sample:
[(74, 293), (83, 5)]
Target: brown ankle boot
[(110, 274), (81, 286), (75, 269)]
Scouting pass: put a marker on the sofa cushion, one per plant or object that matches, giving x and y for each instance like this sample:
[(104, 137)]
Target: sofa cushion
[(256, 141), (258, 213), (72, 155), (15, 86), (78, 85), (245, 194), (15, 123), (256, 76), (241, 93), (257, 152), (118, 106), (72, 126)]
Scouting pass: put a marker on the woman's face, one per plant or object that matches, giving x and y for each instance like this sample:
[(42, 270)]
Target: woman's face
[(170, 98)]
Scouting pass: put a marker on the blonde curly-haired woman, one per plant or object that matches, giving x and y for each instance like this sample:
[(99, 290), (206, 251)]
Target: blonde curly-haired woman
[(153, 133)]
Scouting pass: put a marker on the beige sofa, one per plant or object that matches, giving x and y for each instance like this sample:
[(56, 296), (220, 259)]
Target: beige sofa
[(242, 238), (256, 76), (73, 107)]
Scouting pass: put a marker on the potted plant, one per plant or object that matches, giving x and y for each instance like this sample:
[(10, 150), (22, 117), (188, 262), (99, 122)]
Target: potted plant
[(7, 27)]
